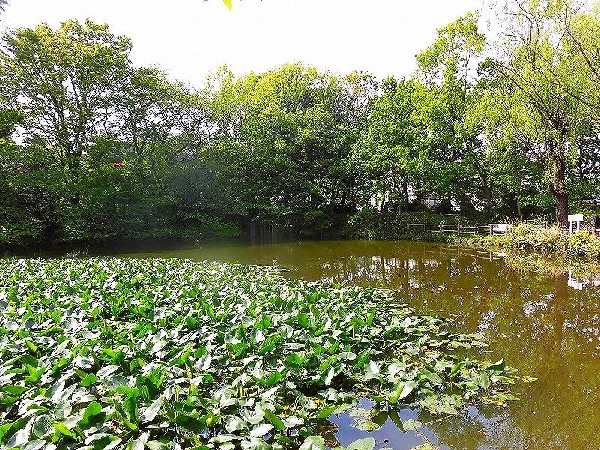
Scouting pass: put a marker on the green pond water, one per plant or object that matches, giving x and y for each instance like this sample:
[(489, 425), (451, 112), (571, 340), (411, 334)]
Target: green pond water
[(547, 328)]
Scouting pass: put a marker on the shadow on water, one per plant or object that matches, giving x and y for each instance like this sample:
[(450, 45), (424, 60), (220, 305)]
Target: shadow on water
[(547, 328)]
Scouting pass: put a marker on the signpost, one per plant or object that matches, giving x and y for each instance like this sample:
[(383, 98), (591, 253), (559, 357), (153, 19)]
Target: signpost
[(575, 222)]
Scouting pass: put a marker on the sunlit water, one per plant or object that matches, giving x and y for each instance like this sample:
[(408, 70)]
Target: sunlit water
[(547, 328)]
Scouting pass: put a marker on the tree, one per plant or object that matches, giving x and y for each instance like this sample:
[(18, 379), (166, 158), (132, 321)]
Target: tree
[(283, 138), (388, 154), (459, 163), (542, 91), (63, 81)]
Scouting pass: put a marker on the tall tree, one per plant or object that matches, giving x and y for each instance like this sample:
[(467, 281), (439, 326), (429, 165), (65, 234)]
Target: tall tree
[(453, 140), (63, 81), (286, 135), (543, 92), (388, 155)]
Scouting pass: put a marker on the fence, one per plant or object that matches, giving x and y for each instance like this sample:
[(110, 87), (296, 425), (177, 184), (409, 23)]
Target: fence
[(493, 229)]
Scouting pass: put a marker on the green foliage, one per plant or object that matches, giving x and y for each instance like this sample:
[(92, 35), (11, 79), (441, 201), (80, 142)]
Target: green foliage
[(583, 245), (545, 240), (369, 223), (543, 88), (111, 151), (127, 353), (282, 143), (535, 237)]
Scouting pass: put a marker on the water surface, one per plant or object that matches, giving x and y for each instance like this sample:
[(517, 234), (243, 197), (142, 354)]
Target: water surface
[(547, 328)]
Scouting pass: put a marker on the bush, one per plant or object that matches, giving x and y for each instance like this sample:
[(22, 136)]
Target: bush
[(536, 237), (582, 244), (553, 240)]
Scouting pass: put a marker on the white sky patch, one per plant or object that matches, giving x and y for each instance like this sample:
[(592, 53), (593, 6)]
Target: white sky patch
[(190, 38)]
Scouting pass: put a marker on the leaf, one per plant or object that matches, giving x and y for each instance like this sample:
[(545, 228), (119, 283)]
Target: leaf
[(92, 410), (228, 4), (21, 436), (362, 444), (329, 378), (63, 429), (191, 423), (88, 380), (137, 444), (261, 430), (5, 428), (313, 443), (110, 442), (403, 390), (372, 370), (275, 420), (255, 444), (498, 366), (235, 423), (410, 425), (149, 413), (42, 425), (34, 445), (14, 390), (456, 368), (303, 320), (34, 374), (326, 411), (159, 445), (294, 360)]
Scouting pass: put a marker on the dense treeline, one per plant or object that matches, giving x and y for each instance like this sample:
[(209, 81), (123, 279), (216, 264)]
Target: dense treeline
[(95, 148)]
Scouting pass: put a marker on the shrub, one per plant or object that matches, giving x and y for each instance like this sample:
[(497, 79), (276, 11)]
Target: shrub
[(582, 244), (536, 237)]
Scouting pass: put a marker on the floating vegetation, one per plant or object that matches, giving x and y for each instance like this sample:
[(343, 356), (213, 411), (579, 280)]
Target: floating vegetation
[(166, 354)]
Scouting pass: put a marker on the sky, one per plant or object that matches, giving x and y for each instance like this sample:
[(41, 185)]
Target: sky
[(190, 38)]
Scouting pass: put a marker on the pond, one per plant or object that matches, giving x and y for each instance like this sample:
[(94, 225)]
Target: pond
[(547, 328)]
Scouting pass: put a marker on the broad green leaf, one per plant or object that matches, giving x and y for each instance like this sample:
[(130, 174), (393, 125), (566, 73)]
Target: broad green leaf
[(402, 390), (275, 420), (313, 443), (63, 429), (149, 413), (88, 380), (326, 411), (93, 409), (362, 444)]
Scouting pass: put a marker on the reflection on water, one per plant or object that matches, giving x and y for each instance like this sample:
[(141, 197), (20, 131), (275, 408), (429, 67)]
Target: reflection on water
[(543, 327), (580, 283)]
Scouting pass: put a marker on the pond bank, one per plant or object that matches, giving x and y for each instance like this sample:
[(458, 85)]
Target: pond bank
[(547, 250)]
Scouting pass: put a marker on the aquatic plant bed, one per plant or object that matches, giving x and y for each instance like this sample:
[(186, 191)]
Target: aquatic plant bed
[(159, 354)]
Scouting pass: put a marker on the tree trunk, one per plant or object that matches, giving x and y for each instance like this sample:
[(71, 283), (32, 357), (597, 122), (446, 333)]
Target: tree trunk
[(558, 187), (562, 209), (519, 211), (405, 195)]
